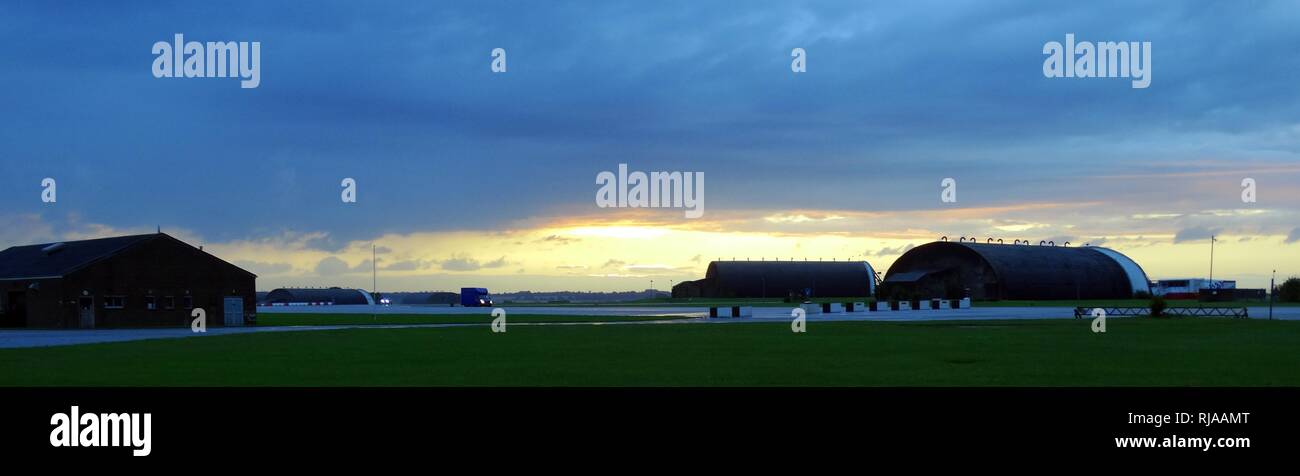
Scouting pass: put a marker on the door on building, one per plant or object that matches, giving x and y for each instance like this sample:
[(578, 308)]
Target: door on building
[(86, 312), (234, 311)]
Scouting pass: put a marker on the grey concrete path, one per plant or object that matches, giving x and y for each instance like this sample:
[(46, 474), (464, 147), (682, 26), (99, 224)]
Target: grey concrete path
[(20, 338)]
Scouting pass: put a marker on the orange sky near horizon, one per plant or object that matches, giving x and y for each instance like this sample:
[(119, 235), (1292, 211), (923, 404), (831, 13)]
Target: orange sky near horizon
[(633, 253)]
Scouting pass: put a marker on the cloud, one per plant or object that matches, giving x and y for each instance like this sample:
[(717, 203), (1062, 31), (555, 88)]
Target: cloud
[(331, 266), (642, 110), (653, 270), (1294, 236), (890, 251), (24, 229), (406, 265), (800, 218), (465, 263), (461, 263), (613, 263), (557, 239), (1196, 233), (263, 268)]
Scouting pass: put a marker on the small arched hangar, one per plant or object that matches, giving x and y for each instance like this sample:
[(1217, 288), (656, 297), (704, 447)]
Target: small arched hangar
[(1019, 272), (317, 296), (779, 279)]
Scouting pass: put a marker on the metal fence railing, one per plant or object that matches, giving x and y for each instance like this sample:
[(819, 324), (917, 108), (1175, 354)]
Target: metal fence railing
[(1233, 312)]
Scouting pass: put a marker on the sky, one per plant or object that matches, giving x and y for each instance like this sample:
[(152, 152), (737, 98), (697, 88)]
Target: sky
[(469, 177)]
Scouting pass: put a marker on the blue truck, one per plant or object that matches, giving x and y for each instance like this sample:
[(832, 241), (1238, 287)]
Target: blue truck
[(475, 297)]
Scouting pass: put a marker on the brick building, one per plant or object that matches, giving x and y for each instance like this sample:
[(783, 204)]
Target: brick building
[(125, 281)]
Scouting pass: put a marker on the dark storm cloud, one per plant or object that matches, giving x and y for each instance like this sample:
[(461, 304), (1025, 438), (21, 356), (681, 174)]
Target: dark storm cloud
[(1195, 234), (400, 97)]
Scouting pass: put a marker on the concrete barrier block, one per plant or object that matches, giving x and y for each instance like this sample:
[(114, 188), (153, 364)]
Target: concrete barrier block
[(811, 308), (832, 308), (965, 303), (742, 311), (855, 307)]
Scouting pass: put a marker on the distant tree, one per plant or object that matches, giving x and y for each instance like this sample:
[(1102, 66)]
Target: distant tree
[(1289, 290)]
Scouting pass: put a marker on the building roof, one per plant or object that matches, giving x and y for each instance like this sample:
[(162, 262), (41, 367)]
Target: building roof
[(1029, 264), (909, 276), (774, 278), (1028, 271), (319, 295), (55, 260), (59, 259)]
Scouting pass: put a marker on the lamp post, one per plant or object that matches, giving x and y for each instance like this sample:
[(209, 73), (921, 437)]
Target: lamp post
[(1212, 260), (374, 280), (1272, 289)]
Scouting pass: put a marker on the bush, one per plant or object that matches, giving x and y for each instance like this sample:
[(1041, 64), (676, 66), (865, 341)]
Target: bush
[(1289, 290), (1158, 306)]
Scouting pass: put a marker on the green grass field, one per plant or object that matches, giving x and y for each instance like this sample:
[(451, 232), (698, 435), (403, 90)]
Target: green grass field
[(304, 319), (777, 302), (690, 302), (1134, 352)]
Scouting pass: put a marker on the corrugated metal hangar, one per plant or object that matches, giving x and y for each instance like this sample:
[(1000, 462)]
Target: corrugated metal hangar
[(1017, 271), (125, 281), (317, 296), (767, 279)]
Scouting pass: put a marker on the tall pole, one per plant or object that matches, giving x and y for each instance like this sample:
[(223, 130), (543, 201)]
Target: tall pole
[(1272, 289), (1211, 261), (374, 280)]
